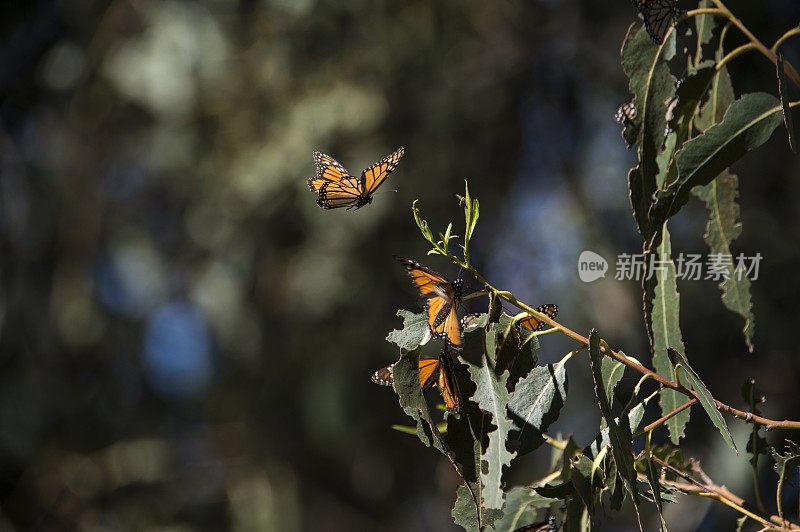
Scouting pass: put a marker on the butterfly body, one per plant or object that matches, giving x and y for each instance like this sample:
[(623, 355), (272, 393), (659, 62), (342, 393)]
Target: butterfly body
[(335, 187), (442, 298)]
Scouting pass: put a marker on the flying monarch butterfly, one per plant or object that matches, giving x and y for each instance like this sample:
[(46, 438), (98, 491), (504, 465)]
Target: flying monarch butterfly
[(535, 324), (625, 111), (441, 301), (659, 16), (549, 525), (438, 371), (335, 187)]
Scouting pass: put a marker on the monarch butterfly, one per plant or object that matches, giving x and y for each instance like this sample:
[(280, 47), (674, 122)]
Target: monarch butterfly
[(438, 371), (535, 324), (548, 525), (335, 187), (625, 111), (658, 16), (442, 298)]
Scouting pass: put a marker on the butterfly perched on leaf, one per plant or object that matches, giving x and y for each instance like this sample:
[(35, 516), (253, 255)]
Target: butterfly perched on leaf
[(626, 111), (432, 371), (535, 324), (335, 187), (442, 298), (659, 16)]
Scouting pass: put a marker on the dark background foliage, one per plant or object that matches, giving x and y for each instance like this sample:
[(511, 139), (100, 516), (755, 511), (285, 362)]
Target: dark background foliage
[(186, 338)]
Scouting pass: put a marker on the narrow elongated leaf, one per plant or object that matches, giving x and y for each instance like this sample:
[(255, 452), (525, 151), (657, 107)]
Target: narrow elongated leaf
[(689, 94), (757, 444), (782, 464), (581, 478), (667, 333), (523, 507), (619, 434), (722, 228), (415, 331), (704, 29), (491, 396), (787, 111), (536, 403), (651, 83), (406, 383), (653, 473), (703, 395), (748, 123), (612, 371)]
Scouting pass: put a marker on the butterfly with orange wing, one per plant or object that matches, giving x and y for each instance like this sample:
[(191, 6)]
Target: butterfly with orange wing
[(335, 187), (535, 324), (438, 371), (442, 298)]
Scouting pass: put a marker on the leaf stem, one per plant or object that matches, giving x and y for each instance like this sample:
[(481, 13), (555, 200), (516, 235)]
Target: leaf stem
[(735, 53), (791, 32), (770, 54), (663, 419)]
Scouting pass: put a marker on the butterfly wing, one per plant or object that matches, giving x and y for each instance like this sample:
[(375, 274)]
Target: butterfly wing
[(440, 301), (328, 170), (376, 174), (384, 376), (625, 111), (536, 324), (658, 16), (343, 193), (428, 371), (448, 385)]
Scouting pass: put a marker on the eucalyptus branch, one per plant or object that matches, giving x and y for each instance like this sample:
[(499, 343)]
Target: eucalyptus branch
[(770, 54), (663, 419), (710, 490)]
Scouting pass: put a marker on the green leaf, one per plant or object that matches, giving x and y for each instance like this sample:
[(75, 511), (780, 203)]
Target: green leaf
[(464, 513), (787, 111), (576, 518), (581, 478), (667, 333), (653, 473), (757, 444), (407, 385), (748, 123), (703, 395), (491, 396), (720, 97), (415, 331), (619, 434), (722, 228), (471, 213), (689, 95), (612, 371), (782, 464), (704, 29), (422, 224), (651, 83), (523, 507), (536, 404)]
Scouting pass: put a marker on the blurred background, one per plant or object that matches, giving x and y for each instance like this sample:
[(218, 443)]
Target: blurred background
[(186, 338)]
